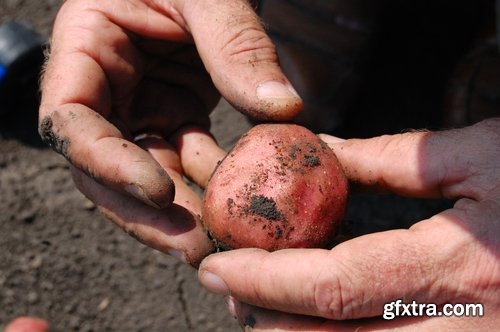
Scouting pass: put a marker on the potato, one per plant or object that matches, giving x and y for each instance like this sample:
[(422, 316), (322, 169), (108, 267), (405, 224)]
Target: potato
[(279, 187)]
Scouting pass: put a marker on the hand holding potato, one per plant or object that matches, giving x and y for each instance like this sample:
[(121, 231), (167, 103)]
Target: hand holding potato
[(118, 69), (452, 257)]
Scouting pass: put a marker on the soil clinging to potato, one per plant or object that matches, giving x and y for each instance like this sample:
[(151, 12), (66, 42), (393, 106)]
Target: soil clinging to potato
[(264, 207)]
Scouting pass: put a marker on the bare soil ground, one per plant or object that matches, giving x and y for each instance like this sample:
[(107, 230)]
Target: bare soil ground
[(62, 261)]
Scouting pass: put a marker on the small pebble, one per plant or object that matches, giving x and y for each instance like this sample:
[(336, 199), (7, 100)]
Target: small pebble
[(104, 304), (32, 297)]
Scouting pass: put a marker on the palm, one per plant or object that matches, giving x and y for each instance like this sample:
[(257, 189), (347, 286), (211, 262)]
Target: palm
[(174, 89), (153, 86)]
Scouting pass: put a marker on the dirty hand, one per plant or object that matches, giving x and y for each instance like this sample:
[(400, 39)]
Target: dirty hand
[(119, 68), (452, 257)]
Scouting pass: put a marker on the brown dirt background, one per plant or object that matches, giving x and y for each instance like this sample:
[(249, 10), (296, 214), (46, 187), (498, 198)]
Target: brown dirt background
[(62, 261)]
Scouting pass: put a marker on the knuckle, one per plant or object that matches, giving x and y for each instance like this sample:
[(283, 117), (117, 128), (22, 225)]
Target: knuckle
[(245, 41), (250, 47), (333, 295)]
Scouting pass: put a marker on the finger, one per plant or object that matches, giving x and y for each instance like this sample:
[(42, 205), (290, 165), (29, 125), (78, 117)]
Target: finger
[(95, 146), (176, 230), (199, 154), (94, 57), (169, 160), (422, 163), (240, 57), (27, 324), (90, 57), (252, 318), (257, 319), (385, 163), (353, 280)]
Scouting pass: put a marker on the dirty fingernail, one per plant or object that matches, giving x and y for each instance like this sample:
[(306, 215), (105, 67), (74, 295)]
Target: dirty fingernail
[(213, 283), (138, 193), (275, 90), (179, 255)]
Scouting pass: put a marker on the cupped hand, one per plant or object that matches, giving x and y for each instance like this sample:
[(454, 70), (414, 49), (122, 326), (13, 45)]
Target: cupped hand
[(452, 257), (118, 69)]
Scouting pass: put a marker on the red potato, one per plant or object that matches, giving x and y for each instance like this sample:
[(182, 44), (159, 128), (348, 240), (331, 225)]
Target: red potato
[(279, 187)]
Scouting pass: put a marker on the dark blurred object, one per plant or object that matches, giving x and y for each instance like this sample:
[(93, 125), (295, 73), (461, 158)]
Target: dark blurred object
[(419, 44), (474, 88), (21, 58), (324, 47), (373, 67), (497, 18)]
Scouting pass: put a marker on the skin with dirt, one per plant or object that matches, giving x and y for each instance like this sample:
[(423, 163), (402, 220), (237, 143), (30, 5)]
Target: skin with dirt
[(58, 144)]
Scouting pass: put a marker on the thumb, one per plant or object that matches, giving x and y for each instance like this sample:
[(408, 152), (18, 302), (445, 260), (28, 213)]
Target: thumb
[(240, 58), (354, 279)]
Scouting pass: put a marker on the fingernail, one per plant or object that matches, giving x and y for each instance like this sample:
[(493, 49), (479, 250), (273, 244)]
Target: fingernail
[(231, 306), (179, 255), (330, 139), (275, 90), (213, 283), (138, 193)]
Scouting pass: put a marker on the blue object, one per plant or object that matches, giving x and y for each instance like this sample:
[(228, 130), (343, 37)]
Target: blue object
[(3, 72), (21, 57)]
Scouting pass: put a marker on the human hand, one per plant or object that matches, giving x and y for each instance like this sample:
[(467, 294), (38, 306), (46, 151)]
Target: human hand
[(176, 229), (27, 324), (452, 257), (118, 69)]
